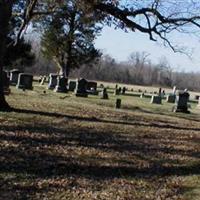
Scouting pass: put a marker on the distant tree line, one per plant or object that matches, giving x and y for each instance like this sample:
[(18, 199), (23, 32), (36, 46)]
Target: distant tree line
[(139, 70)]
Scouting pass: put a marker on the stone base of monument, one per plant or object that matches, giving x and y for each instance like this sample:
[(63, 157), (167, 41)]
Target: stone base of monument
[(156, 100), (104, 96), (93, 92), (60, 89), (171, 98), (81, 94), (180, 109)]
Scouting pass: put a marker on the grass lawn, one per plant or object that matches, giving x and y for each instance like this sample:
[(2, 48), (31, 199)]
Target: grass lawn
[(58, 146)]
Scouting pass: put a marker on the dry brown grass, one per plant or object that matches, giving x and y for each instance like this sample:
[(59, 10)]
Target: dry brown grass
[(76, 148)]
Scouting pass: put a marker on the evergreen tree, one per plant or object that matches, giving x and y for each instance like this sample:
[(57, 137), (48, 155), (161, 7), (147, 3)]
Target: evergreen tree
[(69, 38)]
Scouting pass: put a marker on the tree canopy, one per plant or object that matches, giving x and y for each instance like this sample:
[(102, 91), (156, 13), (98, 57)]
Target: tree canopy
[(156, 18), (69, 38)]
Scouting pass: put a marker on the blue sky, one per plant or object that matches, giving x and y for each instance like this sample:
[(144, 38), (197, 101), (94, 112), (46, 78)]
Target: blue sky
[(120, 45)]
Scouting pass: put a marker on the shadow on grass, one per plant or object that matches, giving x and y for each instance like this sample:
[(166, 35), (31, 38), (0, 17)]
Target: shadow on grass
[(43, 151), (94, 119), (28, 158)]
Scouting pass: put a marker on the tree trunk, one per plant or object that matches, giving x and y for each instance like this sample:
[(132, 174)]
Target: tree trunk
[(5, 15), (67, 70)]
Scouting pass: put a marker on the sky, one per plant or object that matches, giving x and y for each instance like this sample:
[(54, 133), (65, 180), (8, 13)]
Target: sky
[(120, 45)]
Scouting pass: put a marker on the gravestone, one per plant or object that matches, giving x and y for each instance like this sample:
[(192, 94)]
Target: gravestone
[(81, 87), (104, 94), (92, 88), (196, 97), (123, 90), (142, 95), (52, 81), (101, 85), (61, 85), (160, 92), (14, 74), (118, 103), (120, 89), (91, 85), (163, 94), (71, 85), (116, 91), (181, 105), (156, 99), (171, 98), (6, 83), (25, 81)]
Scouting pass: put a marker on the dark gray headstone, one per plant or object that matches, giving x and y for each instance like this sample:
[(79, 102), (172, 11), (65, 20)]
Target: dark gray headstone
[(196, 97), (171, 98), (25, 81), (101, 85), (116, 91), (81, 88), (61, 84), (118, 103), (123, 90), (92, 88), (91, 85), (159, 91), (52, 81), (182, 99), (104, 94), (72, 85), (156, 99), (14, 74)]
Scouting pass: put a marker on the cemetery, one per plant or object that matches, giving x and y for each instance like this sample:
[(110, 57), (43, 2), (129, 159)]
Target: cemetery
[(99, 100), (132, 136)]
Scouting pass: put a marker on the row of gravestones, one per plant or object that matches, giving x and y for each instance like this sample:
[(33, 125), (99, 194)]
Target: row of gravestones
[(81, 87), (18, 79), (180, 98), (119, 90)]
